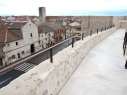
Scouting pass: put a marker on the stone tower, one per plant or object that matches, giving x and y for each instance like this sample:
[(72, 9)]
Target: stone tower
[(42, 14)]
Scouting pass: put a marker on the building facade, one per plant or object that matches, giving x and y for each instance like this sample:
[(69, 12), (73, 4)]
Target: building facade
[(21, 37)]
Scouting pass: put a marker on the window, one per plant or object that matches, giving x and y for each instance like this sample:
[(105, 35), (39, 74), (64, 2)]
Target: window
[(18, 55), (23, 52), (31, 35), (16, 43), (39, 42), (13, 56)]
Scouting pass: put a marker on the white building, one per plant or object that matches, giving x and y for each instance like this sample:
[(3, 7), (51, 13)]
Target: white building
[(21, 39)]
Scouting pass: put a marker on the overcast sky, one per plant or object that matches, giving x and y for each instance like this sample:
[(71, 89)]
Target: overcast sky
[(64, 7)]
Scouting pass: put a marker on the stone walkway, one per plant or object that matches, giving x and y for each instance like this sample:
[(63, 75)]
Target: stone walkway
[(102, 71)]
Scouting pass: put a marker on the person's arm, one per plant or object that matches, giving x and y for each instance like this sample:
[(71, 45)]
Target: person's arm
[(125, 36)]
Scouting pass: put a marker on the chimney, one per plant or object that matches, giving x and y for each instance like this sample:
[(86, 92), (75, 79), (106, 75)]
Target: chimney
[(42, 14)]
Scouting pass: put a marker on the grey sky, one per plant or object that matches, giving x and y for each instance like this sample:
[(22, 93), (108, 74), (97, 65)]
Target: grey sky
[(62, 7)]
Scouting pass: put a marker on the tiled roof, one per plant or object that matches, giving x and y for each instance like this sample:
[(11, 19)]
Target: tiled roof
[(45, 27), (75, 24), (14, 35), (16, 24), (10, 32), (24, 18), (3, 32), (56, 26), (54, 17)]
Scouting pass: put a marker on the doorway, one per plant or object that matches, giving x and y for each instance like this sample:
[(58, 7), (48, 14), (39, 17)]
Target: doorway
[(32, 48), (1, 62)]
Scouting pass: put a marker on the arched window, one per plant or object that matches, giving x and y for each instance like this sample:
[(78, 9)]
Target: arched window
[(13, 56)]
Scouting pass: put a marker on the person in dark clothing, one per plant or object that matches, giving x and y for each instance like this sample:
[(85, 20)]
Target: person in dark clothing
[(125, 43), (124, 48), (126, 65)]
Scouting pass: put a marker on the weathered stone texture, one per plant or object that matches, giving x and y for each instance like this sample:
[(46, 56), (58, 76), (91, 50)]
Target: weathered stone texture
[(47, 78), (95, 23)]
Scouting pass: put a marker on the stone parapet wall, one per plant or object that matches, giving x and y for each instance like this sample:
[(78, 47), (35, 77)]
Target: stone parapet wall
[(123, 24), (49, 78), (95, 23)]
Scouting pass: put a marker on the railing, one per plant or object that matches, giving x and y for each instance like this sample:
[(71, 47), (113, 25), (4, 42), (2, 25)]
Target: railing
[(50, 49)]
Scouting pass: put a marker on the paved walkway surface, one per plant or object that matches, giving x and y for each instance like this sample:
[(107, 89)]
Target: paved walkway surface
[(102, 71)]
